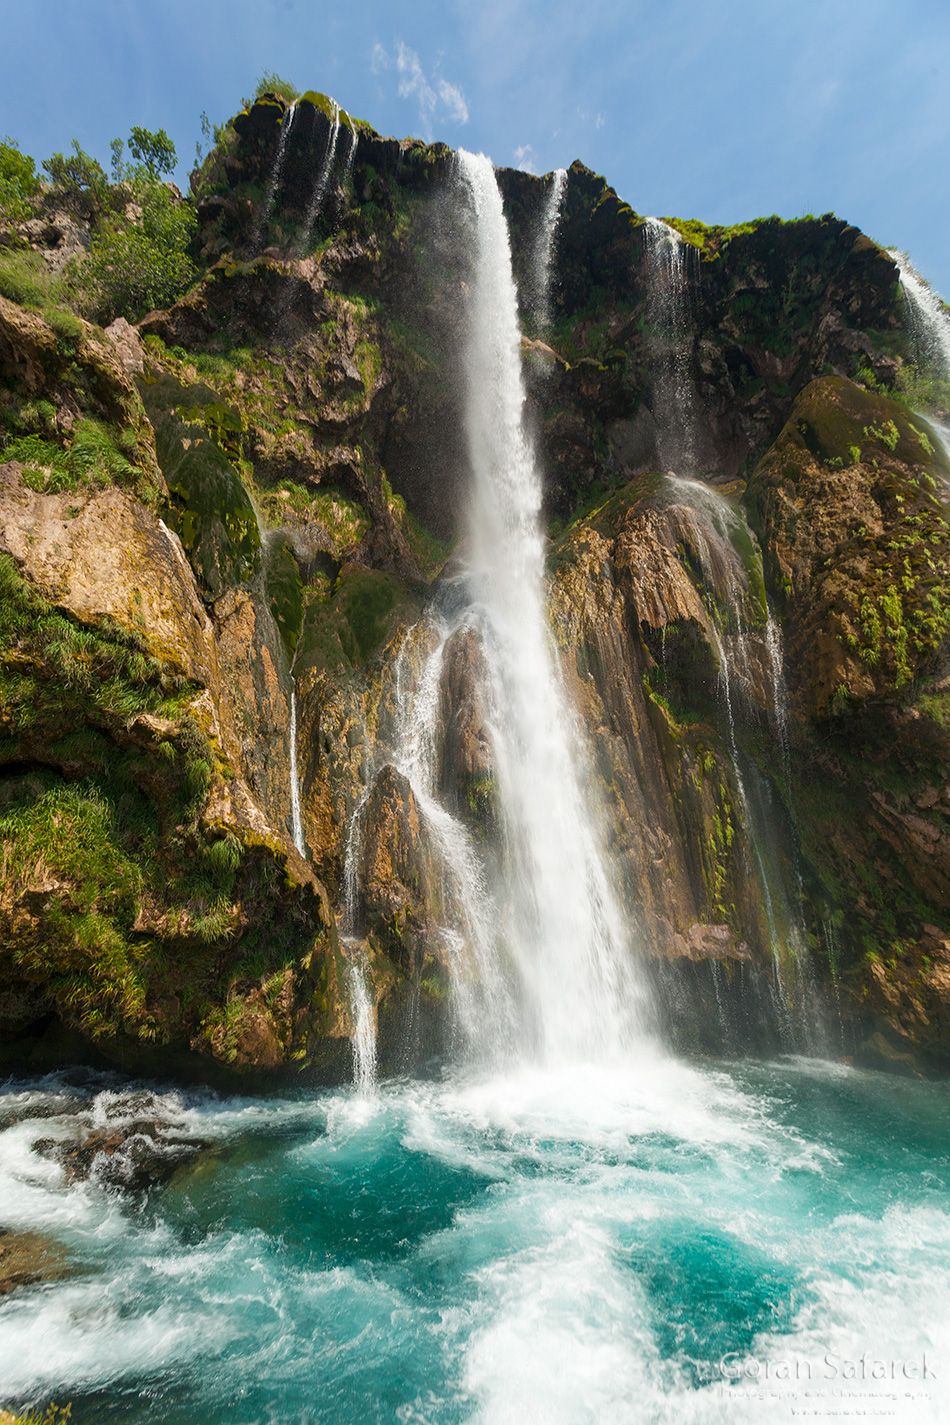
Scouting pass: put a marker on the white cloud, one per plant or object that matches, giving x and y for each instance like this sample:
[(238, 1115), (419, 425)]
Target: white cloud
[(413, 81), (524, 158), (445, 99), (454, 100)]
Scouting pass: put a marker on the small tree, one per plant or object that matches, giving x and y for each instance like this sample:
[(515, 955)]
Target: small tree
[(18, 183), (81, 182), (154, 151)]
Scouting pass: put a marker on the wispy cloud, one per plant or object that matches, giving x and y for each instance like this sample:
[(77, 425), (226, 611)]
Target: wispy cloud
[(524, 158), (454, 100), (439, 97)]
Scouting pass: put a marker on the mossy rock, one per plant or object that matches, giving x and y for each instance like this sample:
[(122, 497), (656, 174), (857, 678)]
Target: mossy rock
[(284, 591), (210, 508), (857, 544), (833, 418), (344, 632)]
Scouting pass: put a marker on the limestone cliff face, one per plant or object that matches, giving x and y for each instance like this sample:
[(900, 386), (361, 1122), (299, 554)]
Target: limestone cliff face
[(275, 475)]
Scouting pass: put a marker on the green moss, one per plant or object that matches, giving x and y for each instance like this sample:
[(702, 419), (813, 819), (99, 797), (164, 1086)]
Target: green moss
[(345, 632), (284, 592), (211, 510)]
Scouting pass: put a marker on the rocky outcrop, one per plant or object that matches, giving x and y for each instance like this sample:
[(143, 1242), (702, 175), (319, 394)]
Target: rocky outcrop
[(847, 505), (276, 472)]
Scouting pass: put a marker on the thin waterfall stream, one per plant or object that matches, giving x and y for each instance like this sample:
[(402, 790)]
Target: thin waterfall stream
[(273, 182), (296, 820)]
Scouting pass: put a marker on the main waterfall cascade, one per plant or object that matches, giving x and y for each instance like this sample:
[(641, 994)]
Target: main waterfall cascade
[(563, 928), (539, 953)]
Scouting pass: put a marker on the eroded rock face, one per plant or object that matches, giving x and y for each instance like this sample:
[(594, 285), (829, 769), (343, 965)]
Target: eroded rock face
[(664, 781), (398, 893), (336, 351), (466, 748), (857, 538)]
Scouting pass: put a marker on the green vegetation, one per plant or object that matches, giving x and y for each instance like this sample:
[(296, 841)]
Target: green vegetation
[(270, 83), (211, 510), (81, 183), (26, 279), (18, 183), (348, 630), (52, 1415), (131, 270), (154, 151), (94, 456)]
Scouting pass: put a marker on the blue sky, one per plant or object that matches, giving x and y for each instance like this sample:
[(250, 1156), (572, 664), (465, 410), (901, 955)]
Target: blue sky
[(721, 110)]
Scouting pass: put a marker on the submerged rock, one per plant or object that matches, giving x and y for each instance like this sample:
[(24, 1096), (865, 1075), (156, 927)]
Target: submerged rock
[(27, 1258)]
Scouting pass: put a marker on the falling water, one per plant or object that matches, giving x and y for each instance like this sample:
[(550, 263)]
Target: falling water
[(322, 178), (466, 936), (363, 1015), (718, 535), (350, 152), (295, 818), (557, 910), (669, 260), (542, 262), (929, 321), (267, 207)]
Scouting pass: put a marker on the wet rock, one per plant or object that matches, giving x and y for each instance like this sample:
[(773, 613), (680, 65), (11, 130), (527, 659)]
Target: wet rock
[(27, 1258), (466, 750), (134, 1141)]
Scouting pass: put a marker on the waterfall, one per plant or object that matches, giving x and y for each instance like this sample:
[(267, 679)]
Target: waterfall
[(558, 916), (322, 178), (295, 818), (719, 537), (350, 152), (363, 1015), (542, 258), (929, 321), (267, 207), (668, 262)]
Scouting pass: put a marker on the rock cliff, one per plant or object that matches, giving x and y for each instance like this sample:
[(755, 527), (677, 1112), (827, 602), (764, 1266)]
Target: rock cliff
[(257, 491)]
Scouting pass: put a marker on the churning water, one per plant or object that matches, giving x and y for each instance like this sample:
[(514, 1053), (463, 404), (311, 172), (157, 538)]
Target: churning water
[(562, 1246)]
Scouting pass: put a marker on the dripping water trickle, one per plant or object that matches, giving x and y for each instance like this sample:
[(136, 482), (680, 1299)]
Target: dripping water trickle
[(538, 302), (322, 179), (267, 207), (296, 819)]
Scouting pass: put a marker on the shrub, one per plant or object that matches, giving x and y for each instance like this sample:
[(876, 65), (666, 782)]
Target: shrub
[(18, 183), (81, 183), (144, 265), (273, 84)]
